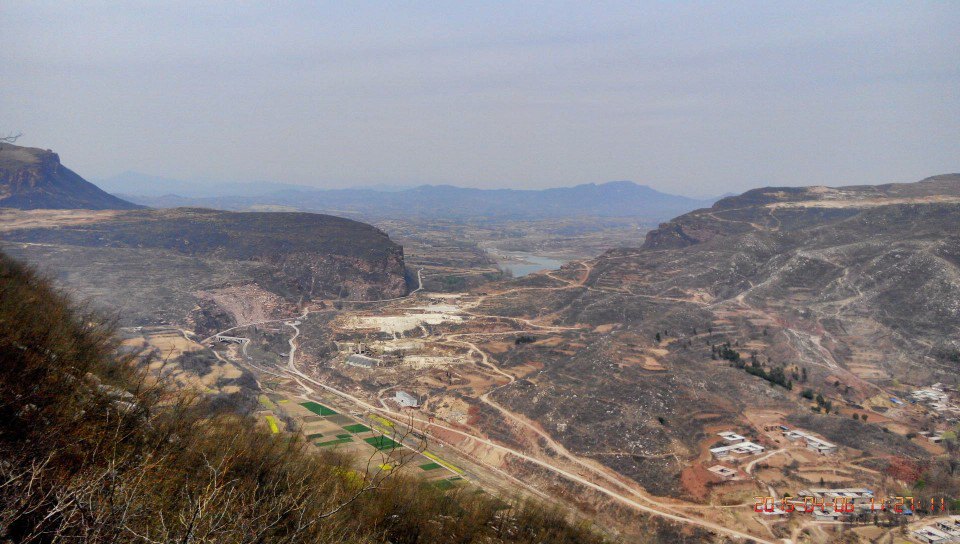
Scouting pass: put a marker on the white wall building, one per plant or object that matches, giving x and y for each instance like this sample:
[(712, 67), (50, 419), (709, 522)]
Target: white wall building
[(731, 437), (813, 443), (725, 473), (741, 448), (362, 361), (858, 496), (406, 400)]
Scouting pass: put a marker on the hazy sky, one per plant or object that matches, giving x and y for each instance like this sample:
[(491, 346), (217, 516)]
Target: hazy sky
[(686, 97)]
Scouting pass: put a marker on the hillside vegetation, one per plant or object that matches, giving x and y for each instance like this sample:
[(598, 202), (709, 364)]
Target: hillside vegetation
[(93, 450)]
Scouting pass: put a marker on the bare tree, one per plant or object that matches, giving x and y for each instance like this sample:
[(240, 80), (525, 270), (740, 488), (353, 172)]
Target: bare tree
[(10, 138)]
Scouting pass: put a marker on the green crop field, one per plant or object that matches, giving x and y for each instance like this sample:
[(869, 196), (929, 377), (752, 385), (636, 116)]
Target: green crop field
[(431, 466), (357, 428), (318, 408), (382, 442), (333, 442), (314, 435)]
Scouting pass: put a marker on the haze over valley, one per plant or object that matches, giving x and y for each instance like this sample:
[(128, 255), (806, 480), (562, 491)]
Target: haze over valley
[(449, 316)]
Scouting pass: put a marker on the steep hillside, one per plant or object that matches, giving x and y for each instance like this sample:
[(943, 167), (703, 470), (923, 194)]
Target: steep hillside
[(851, 292), (32, 178), (161, 266)]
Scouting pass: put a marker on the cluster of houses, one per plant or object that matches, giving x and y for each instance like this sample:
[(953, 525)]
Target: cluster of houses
[(813, 443), (935, 398), (859, 497), (735, 445), (943, 531), (360, 359)]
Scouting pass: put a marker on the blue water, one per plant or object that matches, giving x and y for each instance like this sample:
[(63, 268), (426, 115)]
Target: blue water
[(537, 263)]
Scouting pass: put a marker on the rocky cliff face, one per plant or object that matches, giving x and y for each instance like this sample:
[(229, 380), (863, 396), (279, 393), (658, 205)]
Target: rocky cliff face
[(339, 276), (32, 178), (299, 256)]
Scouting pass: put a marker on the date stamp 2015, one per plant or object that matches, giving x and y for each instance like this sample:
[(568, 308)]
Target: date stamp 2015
[(843, 505)]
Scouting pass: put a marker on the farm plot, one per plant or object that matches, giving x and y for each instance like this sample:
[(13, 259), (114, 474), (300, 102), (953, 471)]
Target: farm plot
[(382, 442), (318, 408), (335, 442), (357, 428)]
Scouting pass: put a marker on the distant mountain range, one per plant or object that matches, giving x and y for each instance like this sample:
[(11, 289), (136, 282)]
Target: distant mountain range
[(613, 199), (32, 178)]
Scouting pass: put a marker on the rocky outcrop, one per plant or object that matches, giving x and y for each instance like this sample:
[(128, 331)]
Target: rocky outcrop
[(300, 256), (32, 178)]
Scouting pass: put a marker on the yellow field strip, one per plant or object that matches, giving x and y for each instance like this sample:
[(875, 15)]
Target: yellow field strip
[(273, 425), (443, 463), (381, 420)]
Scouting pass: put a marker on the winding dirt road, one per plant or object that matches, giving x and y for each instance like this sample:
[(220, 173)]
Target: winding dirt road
[(649, 505)]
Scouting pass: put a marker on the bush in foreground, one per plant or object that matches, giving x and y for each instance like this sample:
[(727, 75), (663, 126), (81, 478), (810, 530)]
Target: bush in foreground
[(92, 449)]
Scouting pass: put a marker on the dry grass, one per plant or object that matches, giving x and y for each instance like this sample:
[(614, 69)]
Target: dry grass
[(93, 451)]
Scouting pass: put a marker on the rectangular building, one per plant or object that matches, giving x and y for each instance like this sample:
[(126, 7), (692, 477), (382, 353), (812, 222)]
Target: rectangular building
[(731, 437), (725, 473), (362, 361), (406, 400), (740, 448)]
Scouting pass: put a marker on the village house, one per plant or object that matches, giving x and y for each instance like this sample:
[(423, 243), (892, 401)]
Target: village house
[(740, 448), (725, 473)]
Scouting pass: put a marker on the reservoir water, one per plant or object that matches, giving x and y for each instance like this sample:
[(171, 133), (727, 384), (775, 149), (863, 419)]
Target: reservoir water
[(533, 263)]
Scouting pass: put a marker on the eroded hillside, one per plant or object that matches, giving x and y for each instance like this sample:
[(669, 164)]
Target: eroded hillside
[(852, 293), (158, 266)]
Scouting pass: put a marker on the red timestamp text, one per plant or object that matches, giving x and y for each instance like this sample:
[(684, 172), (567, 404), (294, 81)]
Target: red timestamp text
[(845, 505)]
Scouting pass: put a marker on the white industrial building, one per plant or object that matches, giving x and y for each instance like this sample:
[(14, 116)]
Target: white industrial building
[(362, 361), (406, 400)]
